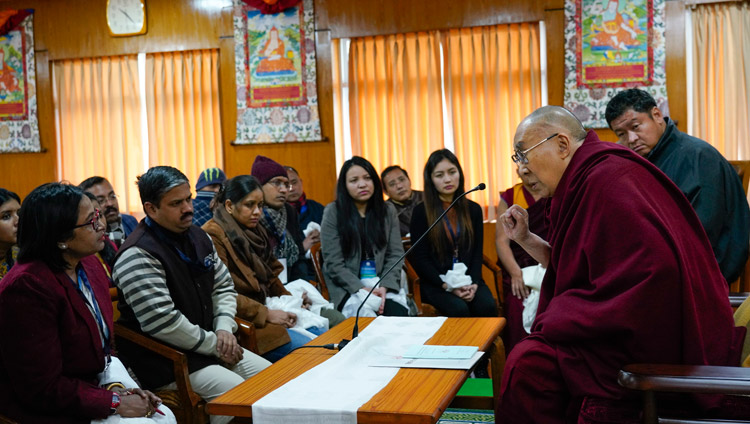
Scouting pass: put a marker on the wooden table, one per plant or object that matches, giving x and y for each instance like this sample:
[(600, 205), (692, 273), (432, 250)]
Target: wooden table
[(413, 395)]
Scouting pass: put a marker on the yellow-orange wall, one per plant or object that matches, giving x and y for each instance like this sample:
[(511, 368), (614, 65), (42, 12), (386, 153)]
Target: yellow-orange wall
[(77, 28)]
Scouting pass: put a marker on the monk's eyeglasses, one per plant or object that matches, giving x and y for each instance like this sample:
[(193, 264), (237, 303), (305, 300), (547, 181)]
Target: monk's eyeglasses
[(519, 158)]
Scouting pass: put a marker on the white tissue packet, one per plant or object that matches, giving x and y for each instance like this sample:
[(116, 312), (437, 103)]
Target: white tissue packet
[(456, 277)]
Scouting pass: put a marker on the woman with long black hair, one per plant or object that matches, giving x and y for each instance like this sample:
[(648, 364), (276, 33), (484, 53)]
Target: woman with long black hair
[(360, 239), (457, 240)]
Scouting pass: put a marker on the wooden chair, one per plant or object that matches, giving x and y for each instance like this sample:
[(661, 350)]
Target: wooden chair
[(425, 309), (317, 260), (651, 379), (188, 407)]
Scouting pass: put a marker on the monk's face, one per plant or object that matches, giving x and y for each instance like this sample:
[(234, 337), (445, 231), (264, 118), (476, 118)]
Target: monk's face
[(546, 162), (639, 131), (528, 179)]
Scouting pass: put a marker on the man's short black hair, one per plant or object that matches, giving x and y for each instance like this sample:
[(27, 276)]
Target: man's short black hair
[(47, 217), (388, 170), (90, 182), (633, 98), (157, 181)]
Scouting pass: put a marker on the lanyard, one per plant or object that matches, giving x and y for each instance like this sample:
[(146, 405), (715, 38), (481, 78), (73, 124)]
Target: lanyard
[(454, 237), (275, 232), (93, 305)]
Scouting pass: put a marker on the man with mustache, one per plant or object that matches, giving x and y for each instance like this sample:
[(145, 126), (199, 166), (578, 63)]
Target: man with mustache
[(703, 175), (119, 225), (173, 287), (397, 186)]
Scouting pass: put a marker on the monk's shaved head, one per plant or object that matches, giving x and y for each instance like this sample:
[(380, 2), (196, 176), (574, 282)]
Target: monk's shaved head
[(544, 143), (553, 119)]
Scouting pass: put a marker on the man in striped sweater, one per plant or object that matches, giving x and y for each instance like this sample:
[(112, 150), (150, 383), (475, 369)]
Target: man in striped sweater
[(173, 287)]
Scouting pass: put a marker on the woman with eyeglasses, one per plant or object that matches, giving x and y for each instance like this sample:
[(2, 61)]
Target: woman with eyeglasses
[(360, 239), (56, 320), (10, 203), (452, 244), (244, 246)]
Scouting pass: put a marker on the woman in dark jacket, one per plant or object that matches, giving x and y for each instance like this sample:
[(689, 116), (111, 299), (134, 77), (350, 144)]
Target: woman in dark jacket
[(56, 318), (457, 240)]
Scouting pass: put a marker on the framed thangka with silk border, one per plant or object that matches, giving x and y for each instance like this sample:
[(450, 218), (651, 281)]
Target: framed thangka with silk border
[(276, 75), (612, 45), (19, 127)]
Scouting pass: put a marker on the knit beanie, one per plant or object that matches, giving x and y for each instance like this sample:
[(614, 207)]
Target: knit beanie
[(265, 168), (210, 176)]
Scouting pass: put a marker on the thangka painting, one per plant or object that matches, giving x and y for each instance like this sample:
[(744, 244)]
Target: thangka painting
[(19, 128), (275, 71), (612, 45)]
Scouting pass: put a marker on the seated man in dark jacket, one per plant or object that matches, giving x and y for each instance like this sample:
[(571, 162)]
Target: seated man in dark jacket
[(174, 287)]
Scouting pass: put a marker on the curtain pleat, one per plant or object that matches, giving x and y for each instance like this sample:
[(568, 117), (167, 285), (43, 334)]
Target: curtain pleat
[(492, 81), (395, 108), (721, 75), (182, 102), (98, 120)]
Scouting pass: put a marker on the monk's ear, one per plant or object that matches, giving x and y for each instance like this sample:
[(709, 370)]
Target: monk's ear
[(564, 145)]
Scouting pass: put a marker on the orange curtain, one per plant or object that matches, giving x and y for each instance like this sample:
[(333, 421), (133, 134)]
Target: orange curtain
[(492, 81), (97, 118), (395, 106), (182, 102), (721, 75)]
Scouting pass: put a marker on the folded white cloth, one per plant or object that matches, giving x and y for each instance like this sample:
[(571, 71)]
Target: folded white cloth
[(532, 278), (312, 226), (345, 382), (456, 277), (370, 308), (305, 318), (116, 373)]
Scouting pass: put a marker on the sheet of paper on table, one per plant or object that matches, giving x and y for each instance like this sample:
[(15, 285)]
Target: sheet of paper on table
[(440, 352), (401, 362)]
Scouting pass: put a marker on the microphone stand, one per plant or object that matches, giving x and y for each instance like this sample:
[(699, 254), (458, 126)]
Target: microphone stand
[(355, 330)]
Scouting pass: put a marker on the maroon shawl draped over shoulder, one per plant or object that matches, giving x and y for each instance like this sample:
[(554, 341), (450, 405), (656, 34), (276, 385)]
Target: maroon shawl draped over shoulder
[(632, 277)]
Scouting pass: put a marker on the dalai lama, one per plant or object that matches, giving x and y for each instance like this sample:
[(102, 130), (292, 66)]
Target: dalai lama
[(631, 277)]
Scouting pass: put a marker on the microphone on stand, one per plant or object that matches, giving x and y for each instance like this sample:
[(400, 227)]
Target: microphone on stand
[(355, 330)]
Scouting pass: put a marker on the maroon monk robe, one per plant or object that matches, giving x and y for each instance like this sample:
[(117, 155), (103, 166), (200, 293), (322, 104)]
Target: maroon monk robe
[(631, 279)]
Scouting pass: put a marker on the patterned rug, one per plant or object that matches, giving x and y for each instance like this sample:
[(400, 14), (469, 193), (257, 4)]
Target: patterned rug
[(453, 416)]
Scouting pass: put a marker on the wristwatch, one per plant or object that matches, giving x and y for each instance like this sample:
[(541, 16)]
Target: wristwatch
[(115, 403)]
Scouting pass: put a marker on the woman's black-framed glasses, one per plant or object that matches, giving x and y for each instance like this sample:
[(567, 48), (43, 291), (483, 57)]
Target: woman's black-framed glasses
[(94, 223)]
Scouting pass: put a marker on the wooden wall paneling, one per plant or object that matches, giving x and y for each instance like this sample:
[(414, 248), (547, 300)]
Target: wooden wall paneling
[(554, 21), (676, 65), (360, 18)]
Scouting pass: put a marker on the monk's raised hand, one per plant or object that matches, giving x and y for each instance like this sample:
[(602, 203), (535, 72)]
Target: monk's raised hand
[(515, 223)]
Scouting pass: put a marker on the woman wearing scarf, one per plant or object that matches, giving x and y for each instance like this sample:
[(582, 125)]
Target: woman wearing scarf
[(244, 247)]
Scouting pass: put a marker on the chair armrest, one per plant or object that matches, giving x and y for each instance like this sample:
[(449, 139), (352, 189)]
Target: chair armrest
[(685, 378), (497, 274), (413, 283), (736, 299), (181, 373), (246, 335)]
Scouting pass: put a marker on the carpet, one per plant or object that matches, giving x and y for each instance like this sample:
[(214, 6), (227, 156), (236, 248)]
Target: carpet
[(454, 416)]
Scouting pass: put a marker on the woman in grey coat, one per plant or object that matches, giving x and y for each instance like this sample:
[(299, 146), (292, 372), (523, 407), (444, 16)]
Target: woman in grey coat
[(360, 238)]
